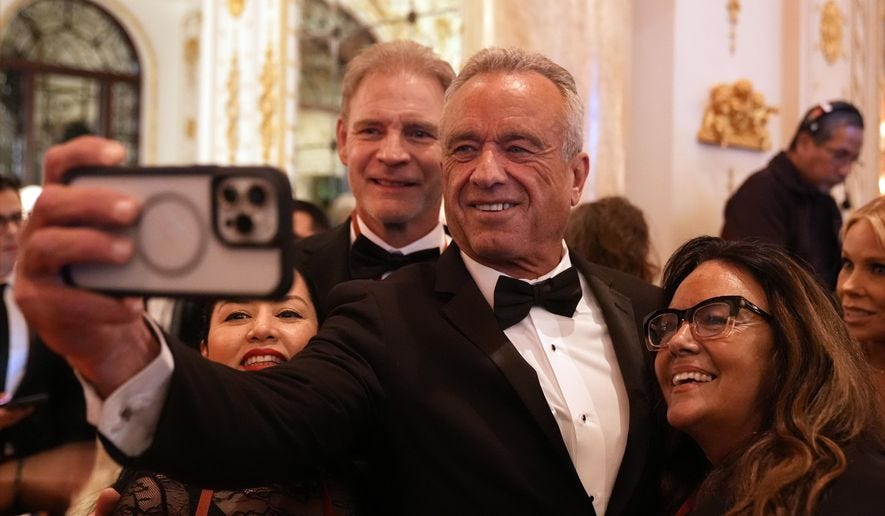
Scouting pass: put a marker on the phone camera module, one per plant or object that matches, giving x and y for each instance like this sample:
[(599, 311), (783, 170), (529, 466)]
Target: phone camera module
[(246, 210), (257, 195)]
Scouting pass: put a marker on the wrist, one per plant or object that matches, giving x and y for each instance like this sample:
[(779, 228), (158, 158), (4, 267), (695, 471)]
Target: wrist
[(134, 350)]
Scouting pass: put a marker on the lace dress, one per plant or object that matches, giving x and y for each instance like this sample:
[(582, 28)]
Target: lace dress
[(146, 493)]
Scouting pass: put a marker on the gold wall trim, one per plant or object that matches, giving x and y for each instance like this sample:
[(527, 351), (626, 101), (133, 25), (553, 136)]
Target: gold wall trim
[(233, 108), (832, 24), (267, 103), (283, 98), (236, 7), (191, 28), (734, 9)]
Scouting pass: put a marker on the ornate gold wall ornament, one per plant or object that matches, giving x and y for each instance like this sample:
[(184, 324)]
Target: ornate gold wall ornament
[(267, 103), (736, 116), (832, 22), (235, 7), (190, 128), (191, 51), (734, 8), (233, 108)]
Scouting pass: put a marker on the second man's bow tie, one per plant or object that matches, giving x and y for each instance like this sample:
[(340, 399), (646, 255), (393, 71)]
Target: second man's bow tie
[(514, 298), (369, 261)]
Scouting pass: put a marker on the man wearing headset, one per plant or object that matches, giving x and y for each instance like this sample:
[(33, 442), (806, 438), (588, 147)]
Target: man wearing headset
[(788, 202)]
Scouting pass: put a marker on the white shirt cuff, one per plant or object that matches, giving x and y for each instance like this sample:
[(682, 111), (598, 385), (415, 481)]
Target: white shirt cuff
[(128, 417)]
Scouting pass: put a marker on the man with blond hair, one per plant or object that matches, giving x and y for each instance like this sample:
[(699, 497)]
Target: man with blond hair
[(388, 138)]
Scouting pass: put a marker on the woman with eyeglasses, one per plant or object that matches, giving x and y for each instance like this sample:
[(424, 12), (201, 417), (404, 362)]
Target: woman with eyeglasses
[(772, 408), (861, 284)]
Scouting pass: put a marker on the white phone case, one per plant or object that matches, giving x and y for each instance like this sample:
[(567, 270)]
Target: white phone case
[(203, 231)]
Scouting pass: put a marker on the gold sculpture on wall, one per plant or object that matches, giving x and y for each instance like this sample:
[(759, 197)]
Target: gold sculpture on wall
[(831, 26), (266, 103), (736, 116)]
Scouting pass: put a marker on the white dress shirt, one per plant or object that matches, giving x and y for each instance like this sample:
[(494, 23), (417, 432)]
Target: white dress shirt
[(18, 344), (579, 374)]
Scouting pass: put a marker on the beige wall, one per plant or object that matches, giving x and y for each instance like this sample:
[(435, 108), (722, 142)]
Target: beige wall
[(680, 50)]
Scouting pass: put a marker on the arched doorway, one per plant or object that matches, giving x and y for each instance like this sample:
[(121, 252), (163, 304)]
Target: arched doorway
[(67, 67)]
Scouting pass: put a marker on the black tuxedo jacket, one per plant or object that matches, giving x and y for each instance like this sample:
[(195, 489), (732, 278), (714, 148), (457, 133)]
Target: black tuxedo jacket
[(414, 372), (324, 260), (61, 419)]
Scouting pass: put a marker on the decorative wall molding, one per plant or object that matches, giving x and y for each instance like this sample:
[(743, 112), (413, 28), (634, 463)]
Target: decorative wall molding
[(832, 23), (734, 8), (251, 95), (267, 103), (233, 108)]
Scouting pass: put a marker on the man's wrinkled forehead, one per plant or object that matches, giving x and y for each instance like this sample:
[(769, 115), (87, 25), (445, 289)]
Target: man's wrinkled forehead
[(505, 81), (469, 88)]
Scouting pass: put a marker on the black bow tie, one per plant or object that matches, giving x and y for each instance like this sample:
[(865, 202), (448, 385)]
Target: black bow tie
[(514, 298), (369, 261)]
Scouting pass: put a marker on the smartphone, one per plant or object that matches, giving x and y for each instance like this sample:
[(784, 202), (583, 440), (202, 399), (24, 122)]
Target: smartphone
[(204, 231), (28, 400)]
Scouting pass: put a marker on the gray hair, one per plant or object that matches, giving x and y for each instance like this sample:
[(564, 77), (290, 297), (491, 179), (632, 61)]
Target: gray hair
[(392, 57), (514, 60)]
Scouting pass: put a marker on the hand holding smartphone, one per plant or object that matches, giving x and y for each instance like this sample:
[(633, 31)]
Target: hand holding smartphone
[(203, 231)]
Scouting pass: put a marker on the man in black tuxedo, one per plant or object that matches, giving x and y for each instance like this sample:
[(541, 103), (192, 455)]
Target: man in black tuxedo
[(509, 377), (387, 137), (54, 427)]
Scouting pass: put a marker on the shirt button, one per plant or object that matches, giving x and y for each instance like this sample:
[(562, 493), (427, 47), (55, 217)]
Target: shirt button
[(583, 418), (553, 347)]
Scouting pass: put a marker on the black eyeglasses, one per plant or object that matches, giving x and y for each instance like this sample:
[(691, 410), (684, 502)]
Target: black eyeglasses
[(840, 156), (12, 218), (711, 318)]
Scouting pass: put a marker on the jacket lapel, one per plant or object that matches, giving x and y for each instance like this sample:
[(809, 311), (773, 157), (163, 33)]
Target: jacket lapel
[(617, 310), (324, 259), (468, 311)]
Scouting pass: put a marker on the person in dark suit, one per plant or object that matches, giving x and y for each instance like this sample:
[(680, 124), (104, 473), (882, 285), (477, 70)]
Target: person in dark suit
[(788, 202), (387, 137), (39, 438), (506, 378), (308, 219)]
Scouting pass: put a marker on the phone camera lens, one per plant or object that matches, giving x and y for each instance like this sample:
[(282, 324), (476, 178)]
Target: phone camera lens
[(243, 224), (257, 195), (230, 194)]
